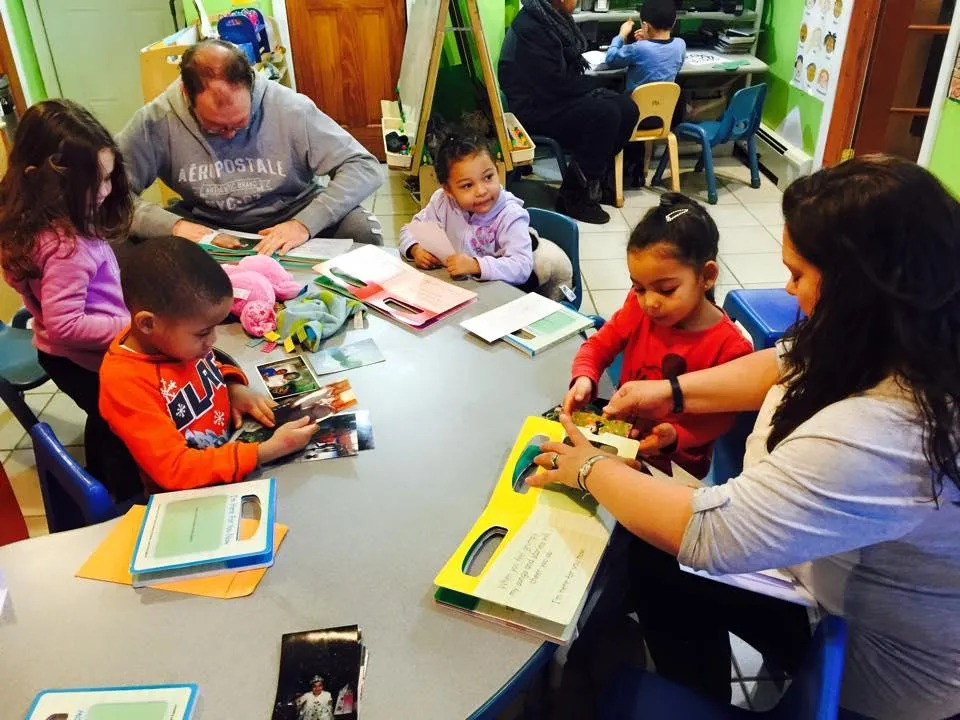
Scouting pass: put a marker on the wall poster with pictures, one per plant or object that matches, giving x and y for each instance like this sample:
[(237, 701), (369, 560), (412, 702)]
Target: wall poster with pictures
[(823, 32)]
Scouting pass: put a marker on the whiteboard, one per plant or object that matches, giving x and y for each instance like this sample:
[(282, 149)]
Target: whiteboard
[(422, 25)]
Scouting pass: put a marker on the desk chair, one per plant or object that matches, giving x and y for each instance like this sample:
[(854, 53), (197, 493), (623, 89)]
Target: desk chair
[(18, 357), (766, 314), (71, 497), (655, 100), (542, 141), (814, 693), (740, 121)]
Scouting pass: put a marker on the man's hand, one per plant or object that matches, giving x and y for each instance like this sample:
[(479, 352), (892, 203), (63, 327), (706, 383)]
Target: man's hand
[(244, 401), (626, 29), (424, 259), (283, 238), (461, 265), (191, 230)]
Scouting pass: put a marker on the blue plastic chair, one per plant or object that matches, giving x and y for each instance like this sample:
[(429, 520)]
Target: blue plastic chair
[(18, 357), (739, 122), (564, 232), (766, 314), (814, 693), (71, 497)]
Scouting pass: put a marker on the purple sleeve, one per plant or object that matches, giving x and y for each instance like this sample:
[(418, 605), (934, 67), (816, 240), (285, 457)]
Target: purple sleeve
[(513, 259), (435, 211), (63, 297)]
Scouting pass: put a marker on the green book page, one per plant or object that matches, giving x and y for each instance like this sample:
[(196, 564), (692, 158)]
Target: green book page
[(128, 711), (552, 322), (191, 526)]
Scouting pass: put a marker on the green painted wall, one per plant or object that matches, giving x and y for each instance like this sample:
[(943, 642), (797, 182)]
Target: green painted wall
[(778, 48), (945, 161), (215, 7), (33, 80)]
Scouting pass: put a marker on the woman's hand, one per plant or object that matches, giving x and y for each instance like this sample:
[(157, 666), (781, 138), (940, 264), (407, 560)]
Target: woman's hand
[(578, 395), (641, 399), (563, 461), (423, 259), (244, 401), (626, 29)]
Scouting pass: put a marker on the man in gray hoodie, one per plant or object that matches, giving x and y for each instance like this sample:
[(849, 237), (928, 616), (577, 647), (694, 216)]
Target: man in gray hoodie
[(246, 154)]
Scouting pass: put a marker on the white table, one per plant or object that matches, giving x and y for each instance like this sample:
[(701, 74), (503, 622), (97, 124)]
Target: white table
[(367, 536)]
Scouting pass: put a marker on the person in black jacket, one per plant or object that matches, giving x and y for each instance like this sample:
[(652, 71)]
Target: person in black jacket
[(541, 72)]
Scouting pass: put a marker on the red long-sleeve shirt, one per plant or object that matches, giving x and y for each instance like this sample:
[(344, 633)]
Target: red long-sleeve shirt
[(655, 352), (174, 417)]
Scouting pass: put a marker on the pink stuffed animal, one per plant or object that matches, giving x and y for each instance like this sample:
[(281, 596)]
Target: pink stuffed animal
[(258, 282)]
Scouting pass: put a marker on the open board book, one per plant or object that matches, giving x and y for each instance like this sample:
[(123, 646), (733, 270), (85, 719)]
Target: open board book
[(301, 257), (148, 702), (386, 283), (196, 533), (551, 541)]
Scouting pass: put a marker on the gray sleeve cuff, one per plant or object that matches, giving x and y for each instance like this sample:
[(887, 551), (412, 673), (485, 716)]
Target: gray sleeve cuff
[(150, 220)]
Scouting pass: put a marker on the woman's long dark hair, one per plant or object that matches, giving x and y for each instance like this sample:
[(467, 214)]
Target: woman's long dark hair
[(885, 235), (52, 182)]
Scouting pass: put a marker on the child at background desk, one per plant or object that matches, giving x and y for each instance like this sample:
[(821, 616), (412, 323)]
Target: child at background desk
[(476, 227), (667, 326), (656, 56), (163, 392), (62, 201)]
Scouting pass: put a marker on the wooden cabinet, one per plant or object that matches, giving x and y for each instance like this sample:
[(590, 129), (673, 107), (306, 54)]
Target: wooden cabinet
[(346, 55)]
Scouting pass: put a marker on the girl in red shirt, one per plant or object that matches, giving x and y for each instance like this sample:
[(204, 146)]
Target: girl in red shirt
[(668, 326)]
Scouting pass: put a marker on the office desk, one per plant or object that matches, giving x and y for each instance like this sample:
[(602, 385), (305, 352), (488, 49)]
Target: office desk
[(367, 536)]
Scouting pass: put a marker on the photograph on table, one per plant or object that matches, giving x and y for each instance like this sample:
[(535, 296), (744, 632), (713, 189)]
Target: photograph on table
[(320, 675), (336, 437), (287, 378), (319, 405), (345, 357)]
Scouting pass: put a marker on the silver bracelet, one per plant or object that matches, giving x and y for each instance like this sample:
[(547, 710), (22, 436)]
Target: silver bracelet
[(585, 471)]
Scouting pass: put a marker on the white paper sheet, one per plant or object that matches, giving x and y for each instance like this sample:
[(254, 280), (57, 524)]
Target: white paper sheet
[(595, 57), (773, 583), (433, 239), (493, 325), (322, 248)]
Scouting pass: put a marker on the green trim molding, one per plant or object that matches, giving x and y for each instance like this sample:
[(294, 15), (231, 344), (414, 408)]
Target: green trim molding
[(945, 160), (32, 80)]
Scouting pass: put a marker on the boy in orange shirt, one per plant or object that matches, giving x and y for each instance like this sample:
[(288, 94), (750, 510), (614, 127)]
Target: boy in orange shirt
[(161, 390)]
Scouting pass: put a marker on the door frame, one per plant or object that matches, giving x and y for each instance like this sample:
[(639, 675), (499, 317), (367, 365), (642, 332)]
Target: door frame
[(950, 51), (41, 47)]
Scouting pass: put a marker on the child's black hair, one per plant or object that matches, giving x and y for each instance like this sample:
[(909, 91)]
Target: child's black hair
[(660, 14), (685, 226), (455, 147), (172, 277)]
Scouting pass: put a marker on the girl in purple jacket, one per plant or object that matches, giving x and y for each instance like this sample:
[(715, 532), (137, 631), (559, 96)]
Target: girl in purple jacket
[(63, 198)]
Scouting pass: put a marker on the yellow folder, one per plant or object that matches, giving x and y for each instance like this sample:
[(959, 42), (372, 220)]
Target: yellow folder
[(551, 542), (111, 562)]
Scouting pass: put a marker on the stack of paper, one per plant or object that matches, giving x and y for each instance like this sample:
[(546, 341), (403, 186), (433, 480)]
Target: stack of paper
[(302, 257), (531, 323), (386, 283), (198, 533), (550, 544), (150, 702)]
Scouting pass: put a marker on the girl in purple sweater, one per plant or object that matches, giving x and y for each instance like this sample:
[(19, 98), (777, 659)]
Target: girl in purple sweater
[(63, 197)]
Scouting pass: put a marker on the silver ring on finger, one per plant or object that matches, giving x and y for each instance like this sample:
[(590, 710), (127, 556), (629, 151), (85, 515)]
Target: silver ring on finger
[(555, 461)]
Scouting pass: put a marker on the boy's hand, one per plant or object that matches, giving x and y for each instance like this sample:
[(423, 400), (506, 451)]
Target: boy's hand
[(626, 29), (288, 438), (459, 265), (423, 259), (640, 35), (661, 436), (244, 401), (578, 395)]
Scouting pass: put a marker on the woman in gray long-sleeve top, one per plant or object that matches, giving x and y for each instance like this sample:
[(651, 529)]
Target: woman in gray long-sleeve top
[(852, 476)]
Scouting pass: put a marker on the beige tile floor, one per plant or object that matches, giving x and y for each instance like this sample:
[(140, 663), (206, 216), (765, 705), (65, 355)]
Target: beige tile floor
[(750, 226)]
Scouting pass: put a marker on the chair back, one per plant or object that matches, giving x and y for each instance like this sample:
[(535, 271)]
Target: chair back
[(742, 116), (71, 498), (14, 401), (655, 100), (564, 232), (18, 358), (814, 693)]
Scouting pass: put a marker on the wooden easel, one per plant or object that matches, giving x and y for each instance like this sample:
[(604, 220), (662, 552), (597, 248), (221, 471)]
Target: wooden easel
[(412, 111)]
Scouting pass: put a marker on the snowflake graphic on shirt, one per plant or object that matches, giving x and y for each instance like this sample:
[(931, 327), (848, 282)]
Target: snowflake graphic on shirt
[(219, 418), (181, 410), (168, 388)]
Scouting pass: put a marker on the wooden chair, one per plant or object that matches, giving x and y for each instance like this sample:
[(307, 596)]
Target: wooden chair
[(655, 100)]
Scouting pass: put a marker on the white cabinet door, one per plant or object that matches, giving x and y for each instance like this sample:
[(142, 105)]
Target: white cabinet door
[(95, 46)]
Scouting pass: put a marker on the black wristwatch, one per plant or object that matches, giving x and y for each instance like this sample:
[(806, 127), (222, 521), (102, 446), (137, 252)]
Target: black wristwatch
[(677, 395)]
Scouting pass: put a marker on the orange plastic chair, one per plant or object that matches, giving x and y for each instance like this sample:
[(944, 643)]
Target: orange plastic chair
[(655, 100)]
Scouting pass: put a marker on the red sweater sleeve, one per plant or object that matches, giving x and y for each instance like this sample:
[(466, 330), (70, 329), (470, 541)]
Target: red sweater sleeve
[(597, 353), (697, 430), (135, 410)]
